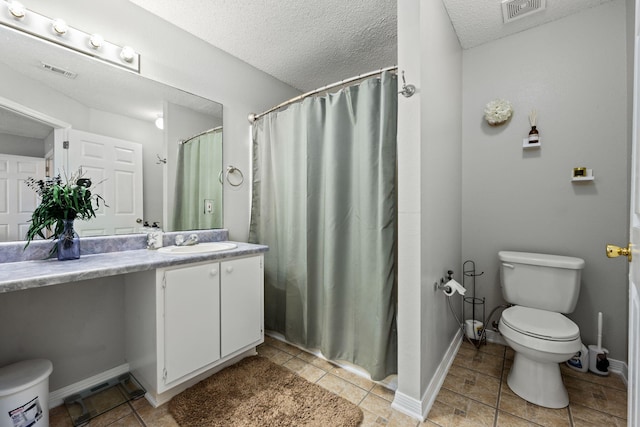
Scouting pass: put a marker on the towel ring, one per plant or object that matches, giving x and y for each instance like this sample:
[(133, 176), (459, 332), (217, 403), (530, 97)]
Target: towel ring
[(230, 170)]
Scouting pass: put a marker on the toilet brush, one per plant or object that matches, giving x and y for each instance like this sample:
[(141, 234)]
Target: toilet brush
[(598, 362)]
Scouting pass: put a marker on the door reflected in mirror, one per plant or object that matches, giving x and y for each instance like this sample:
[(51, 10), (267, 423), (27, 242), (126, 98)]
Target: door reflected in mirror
[(103, 120)]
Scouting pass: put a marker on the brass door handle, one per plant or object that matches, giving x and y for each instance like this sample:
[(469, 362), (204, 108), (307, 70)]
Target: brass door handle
[(615, 251)]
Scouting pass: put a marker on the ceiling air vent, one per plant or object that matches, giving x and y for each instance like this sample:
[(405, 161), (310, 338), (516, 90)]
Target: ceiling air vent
[(68, 74), (516, 9)]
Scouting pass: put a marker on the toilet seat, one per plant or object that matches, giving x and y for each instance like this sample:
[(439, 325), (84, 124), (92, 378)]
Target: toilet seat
[(541, 324)]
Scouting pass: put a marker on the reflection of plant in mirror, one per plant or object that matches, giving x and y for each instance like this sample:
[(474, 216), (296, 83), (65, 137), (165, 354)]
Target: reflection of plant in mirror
[(60, 201)]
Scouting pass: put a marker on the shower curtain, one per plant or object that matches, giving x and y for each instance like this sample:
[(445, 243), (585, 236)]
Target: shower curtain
[(199, 165), (324, 200)]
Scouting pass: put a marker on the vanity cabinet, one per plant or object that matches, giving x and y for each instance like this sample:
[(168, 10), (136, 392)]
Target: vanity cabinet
[(184, 321)]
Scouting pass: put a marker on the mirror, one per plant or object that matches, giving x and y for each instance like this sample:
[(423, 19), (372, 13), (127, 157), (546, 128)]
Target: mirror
[(51, 94)]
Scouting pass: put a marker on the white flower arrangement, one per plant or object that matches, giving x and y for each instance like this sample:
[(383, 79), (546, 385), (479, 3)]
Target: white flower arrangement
[(498, 111)]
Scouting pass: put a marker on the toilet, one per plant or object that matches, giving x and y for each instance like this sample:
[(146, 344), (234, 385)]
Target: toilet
[(541, 287)]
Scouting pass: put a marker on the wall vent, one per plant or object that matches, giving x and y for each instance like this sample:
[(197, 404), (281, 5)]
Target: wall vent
[(68, 74), (516, 9)]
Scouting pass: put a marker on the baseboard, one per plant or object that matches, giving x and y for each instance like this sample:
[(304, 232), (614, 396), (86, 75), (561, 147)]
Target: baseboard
[(56, 397), (420, 408)]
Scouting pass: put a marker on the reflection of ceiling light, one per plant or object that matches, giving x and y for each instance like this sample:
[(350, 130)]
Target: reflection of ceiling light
[(127, 54), (60, 27), (17, 9), (96, 41), (160, 122)]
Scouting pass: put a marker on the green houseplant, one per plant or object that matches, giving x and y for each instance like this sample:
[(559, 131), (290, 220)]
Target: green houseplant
[(62, 202)]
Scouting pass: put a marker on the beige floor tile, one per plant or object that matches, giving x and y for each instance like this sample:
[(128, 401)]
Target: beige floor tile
[(516, 406), (474, 414), (480, 361), (295, 364), (490, 348), (593, 395), (507, 420), (383, 392), (377, 405), (472, 384), (398, 419), (281, 357), (129, 421), (59, 417), (156, 417), (110, 417), (584, 416), (267, 350), (311, 373), (372, 420), (342, 388), (323, 364), (355, 379), (612, 380), (280, 345)]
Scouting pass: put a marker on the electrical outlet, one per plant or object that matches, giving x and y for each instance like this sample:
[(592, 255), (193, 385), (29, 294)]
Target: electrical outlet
[(208, 206)]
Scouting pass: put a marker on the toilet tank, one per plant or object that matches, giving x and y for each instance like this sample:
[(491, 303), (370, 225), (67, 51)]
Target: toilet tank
[(547, 282)]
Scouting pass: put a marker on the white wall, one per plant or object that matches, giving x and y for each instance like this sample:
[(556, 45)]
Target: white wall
[(429, 196), (573, 71)]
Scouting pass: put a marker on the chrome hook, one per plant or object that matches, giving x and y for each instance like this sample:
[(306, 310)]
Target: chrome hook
[(407, 90)]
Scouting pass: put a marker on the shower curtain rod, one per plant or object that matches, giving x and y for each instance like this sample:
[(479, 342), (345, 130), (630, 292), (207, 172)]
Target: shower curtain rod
[(254, 117), (184, 141)]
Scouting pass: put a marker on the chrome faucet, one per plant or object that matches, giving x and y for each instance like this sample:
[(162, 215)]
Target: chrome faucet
[(192, 240)]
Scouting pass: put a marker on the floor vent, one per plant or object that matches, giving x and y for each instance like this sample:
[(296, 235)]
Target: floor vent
[(516, 9)]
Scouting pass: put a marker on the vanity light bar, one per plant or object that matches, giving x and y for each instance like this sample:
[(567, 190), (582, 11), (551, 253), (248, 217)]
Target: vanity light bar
[(14, 15)]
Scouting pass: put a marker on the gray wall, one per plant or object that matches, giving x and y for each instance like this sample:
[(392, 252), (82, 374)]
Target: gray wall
[(574, 72), (429, 192)]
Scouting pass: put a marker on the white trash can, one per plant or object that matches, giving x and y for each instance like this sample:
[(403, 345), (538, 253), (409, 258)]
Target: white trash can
[(24, 394)]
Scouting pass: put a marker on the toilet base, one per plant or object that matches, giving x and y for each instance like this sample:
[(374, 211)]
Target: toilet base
[(538, 382)]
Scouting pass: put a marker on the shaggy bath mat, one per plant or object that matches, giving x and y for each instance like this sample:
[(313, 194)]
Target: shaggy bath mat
[(258, 392)]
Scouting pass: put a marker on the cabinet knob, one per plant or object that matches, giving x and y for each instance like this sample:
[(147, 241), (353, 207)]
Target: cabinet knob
[(229, 269), (214, 271)]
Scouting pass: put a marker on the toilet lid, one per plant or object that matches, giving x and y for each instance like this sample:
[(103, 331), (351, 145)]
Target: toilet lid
[(540, 324)]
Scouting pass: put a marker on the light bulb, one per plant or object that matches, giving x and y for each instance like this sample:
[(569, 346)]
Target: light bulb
[(160, 122), (60, 27), (127, 54), (17, 9), (96, 41)]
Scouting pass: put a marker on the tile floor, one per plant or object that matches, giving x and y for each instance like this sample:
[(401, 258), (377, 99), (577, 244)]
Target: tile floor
[(475, 393)]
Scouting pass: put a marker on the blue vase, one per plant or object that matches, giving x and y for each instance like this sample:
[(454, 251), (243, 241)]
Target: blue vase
[(68, 242)]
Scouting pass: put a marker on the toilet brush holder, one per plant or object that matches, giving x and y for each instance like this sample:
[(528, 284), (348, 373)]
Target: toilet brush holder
[(598, 363)]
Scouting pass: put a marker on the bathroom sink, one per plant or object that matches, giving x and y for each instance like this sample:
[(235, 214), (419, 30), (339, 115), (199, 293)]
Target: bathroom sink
[(200, 248)]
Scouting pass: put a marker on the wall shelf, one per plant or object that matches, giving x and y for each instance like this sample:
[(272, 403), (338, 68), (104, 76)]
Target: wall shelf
[(526, 145), (588, 177)]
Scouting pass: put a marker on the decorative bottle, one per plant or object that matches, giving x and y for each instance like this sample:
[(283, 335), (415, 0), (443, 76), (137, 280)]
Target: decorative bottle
[(534, 135)]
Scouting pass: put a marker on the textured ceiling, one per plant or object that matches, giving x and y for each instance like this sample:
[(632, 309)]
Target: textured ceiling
[(309, 44), (306, 44)]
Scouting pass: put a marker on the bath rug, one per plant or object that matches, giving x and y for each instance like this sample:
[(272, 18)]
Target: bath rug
[(258, 392)]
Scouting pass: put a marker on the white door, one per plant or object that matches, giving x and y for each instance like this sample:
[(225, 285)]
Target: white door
[(115, 168), (633, 407), (17, 201)]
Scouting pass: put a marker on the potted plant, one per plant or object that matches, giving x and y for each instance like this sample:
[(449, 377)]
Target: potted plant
[(62, 202)]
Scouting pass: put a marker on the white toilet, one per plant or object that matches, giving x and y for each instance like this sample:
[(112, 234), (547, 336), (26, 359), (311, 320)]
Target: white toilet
[(542, 287)]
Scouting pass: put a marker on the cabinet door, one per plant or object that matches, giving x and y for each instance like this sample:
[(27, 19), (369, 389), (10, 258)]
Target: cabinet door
[(191, 319), (241, 304)]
